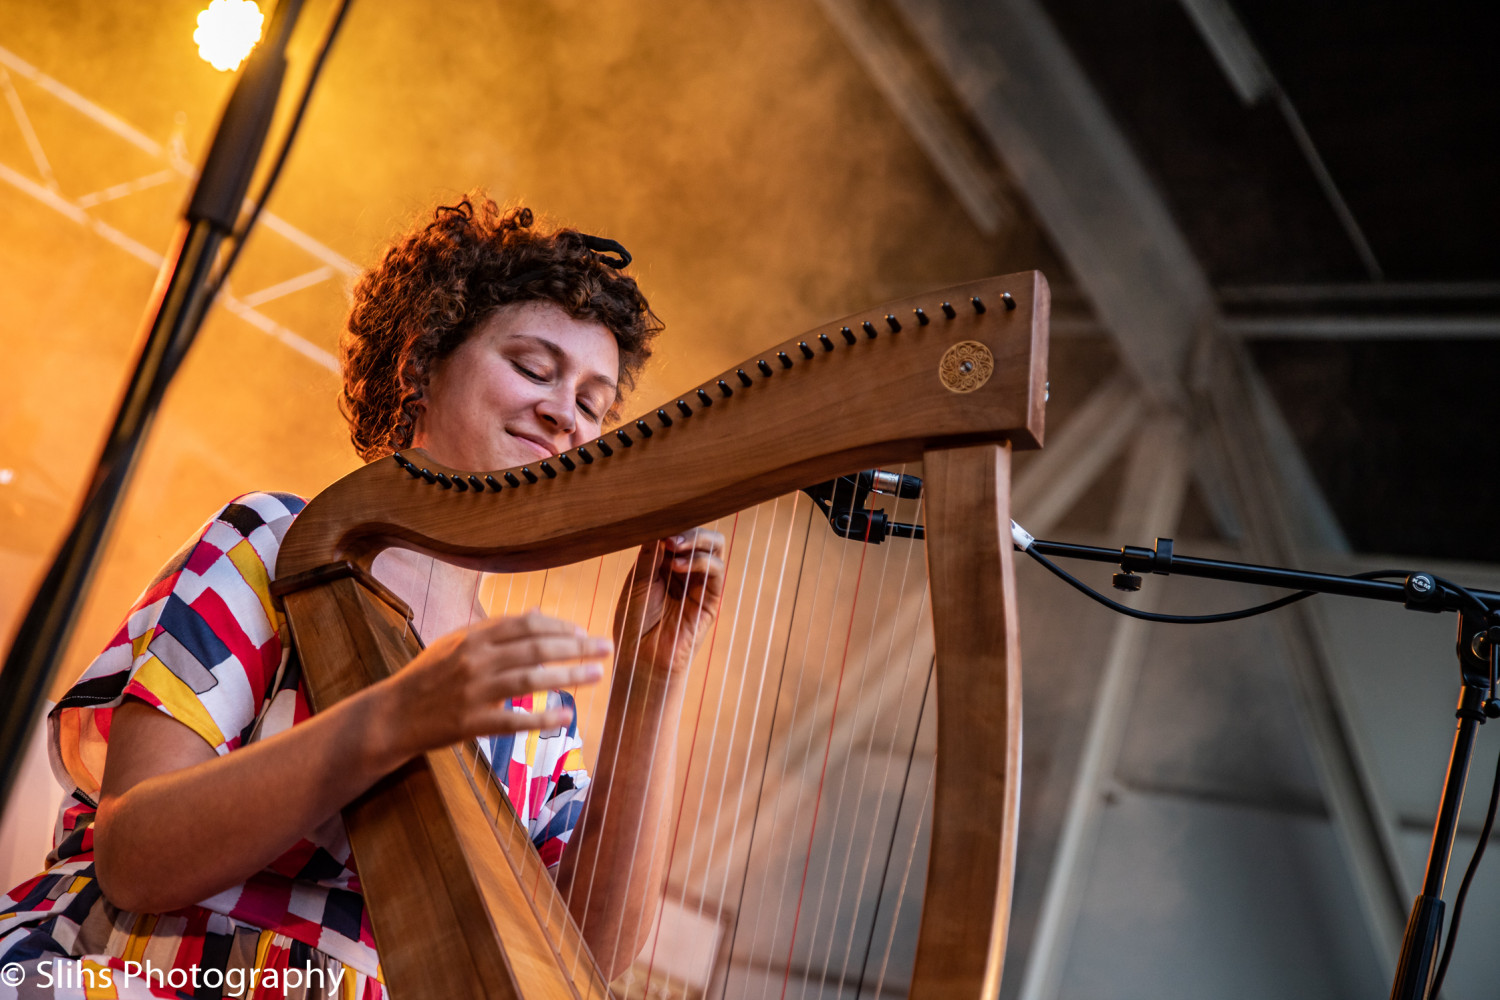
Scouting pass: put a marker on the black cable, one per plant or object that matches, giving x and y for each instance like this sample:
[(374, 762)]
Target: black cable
[(1463, 890), (242, 231), (1227, 616)]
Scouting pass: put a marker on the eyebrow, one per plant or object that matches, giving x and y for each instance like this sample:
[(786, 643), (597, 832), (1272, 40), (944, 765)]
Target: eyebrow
[(559, 355)]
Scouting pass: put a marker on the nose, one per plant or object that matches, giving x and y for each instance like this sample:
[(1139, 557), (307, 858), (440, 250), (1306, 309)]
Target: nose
[(558, 412)]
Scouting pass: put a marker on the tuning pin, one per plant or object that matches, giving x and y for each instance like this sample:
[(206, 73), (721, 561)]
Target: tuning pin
[(724, 389), (526, 471), (661, 415), (624, 438), (786, 362), (604, 448), (948, 310), (848, 334), (583, 453), (475, 482), (744, 379), (684, 409), (1010, 303), (644, 428), (922, 319), (494, 483), (807, 352), (978, 304), (823, 339), (444, 481), (893, 323), (511, 480), (567, 461), (869, 329), (703, 398), (765, 369), (549, 470)]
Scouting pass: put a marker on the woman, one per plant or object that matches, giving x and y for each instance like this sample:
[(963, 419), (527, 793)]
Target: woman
[(202, 832)]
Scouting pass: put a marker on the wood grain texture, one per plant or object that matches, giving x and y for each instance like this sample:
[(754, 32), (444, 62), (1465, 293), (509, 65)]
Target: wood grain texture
[(977, 789), (840, 410), (459, 911)]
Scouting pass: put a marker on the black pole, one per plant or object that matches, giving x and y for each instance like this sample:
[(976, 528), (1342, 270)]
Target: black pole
[(178, 304), (1424, 925), (1478, 660), (1162, 560)]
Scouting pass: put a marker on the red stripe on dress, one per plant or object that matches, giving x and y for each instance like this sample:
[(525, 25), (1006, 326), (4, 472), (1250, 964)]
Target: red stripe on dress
[(260, 662), (515, 785), (167, 584), (263, 902), (551, 852)]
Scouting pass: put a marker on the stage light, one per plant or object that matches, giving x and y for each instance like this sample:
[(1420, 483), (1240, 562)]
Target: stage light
[(227, 31)]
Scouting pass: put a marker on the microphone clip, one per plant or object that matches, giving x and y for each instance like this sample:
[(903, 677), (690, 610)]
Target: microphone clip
[(842, 501)]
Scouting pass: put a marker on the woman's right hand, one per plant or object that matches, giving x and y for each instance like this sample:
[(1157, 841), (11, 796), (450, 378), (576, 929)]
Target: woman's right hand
[(456, 688)]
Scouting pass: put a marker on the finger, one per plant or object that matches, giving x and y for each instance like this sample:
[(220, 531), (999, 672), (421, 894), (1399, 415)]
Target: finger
[(528, 680), (506, 628), (533, 651), (697, 539), (701, 564)]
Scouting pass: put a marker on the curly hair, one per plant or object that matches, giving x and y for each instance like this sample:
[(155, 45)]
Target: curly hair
[(438, 284)]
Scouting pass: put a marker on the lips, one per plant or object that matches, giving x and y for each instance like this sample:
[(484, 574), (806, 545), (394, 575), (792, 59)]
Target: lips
[(541, 448)]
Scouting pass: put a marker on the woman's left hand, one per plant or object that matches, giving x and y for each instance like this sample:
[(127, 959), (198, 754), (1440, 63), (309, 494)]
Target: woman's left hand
[(671, 601)]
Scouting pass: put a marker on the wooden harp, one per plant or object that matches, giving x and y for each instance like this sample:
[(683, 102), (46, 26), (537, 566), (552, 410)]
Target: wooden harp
[(955, 378)]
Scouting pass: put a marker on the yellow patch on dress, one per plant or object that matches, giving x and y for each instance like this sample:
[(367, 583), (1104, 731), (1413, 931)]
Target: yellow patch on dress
[(140, 936), (247, 561), (179, 700)]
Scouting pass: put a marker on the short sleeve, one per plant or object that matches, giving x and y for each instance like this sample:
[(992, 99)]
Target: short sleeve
[(203, 643)]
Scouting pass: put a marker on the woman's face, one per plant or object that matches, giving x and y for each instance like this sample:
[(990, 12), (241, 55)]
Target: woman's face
[(529, 382)]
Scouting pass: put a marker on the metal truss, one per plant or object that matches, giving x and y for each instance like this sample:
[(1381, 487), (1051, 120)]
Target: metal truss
[(173, 169)]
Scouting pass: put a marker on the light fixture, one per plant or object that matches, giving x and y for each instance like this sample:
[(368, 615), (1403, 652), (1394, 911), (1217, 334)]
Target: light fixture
[(227, 31)]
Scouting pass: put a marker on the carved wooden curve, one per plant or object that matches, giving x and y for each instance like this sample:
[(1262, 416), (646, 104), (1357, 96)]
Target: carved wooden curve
[(955, 378)]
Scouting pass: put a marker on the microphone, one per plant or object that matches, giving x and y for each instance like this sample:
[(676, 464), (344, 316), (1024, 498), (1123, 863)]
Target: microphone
[(842, 501)]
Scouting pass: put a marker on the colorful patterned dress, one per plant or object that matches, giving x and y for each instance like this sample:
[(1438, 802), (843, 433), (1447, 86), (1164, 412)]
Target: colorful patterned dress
[(206, 644)]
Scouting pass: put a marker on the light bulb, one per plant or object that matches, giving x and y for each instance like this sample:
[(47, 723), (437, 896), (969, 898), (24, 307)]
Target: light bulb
[(227, 31)]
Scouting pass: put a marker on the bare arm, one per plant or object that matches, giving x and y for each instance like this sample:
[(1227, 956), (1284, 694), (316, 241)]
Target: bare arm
[(176, 823), (613, 871)]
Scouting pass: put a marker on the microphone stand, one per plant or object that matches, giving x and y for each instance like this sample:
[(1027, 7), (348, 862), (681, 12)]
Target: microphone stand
[(182, 295), (1478, 649), (843, 502)]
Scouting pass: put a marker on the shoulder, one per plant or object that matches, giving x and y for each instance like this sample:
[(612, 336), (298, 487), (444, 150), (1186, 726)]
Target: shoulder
[(248, 528)]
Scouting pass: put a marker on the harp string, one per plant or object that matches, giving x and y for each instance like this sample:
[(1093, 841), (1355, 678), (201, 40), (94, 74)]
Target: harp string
[(697, 721), (655, 741), (578, 715), (901, 700), (827, 749), (789, 741), (592, 808), (755, 811), (716, 725), (572, 592), (883, 666), (765, 661), (915, 840), (743, 673)]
